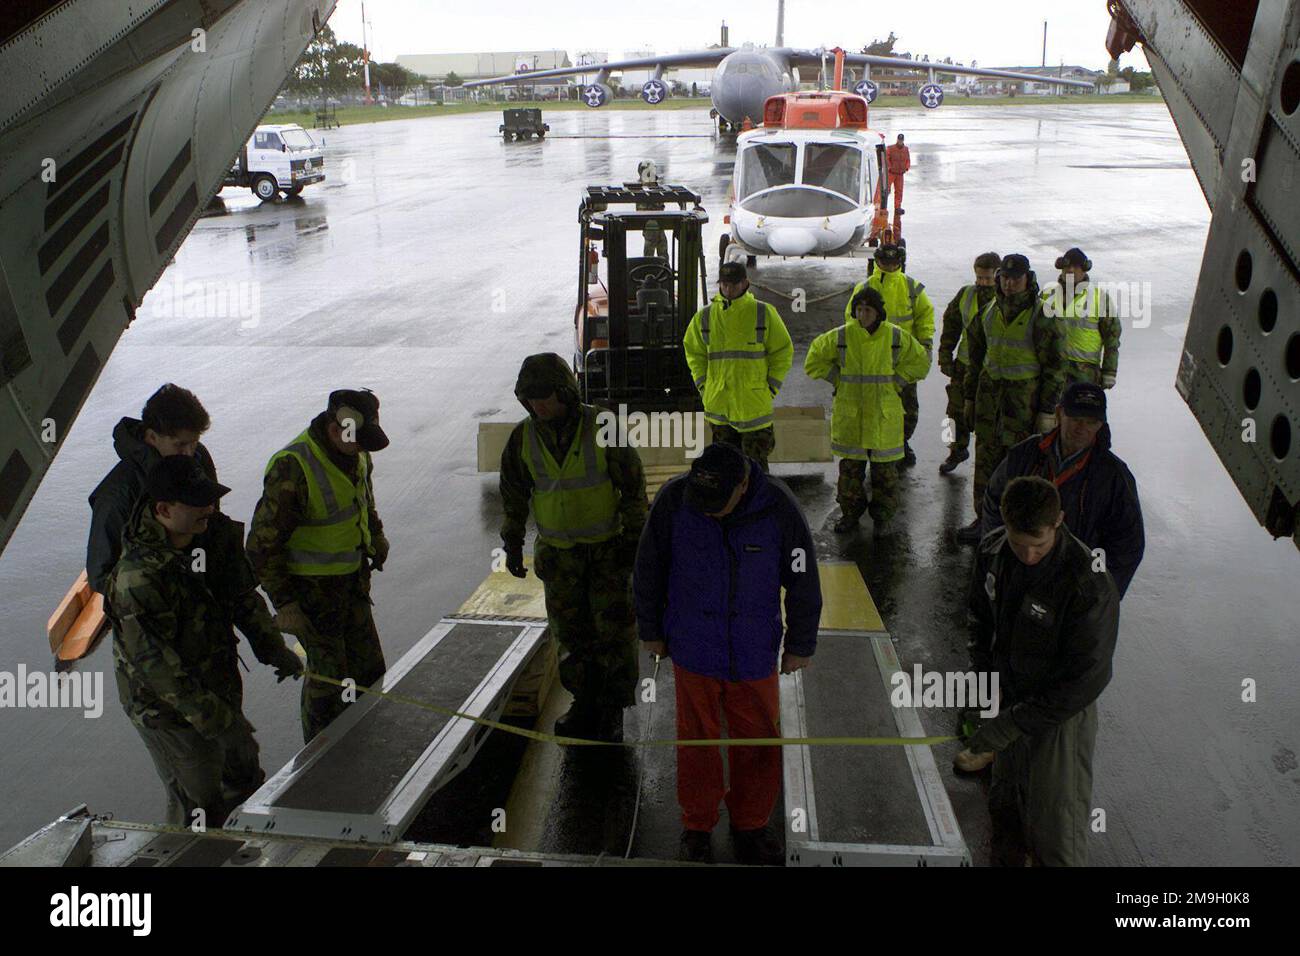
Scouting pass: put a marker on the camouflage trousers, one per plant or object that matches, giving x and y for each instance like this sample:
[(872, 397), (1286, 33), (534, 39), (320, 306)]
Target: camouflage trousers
[(654, 244), (956, 389), (344, 644), (1081, 372), (1042, 785), (911, 410), (756, 444), (201, 774), (589, 611), (1004, 416), (851, 490)]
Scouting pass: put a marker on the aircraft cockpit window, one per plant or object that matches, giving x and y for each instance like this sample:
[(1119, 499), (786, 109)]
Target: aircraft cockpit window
[(835, 167), (740, 68), (765, 165)]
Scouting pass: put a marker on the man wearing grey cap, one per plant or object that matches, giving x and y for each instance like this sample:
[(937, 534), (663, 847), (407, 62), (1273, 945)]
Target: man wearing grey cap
[(1087, 319), (181, 583), (1016, 374), (314, 541), (739, 353)]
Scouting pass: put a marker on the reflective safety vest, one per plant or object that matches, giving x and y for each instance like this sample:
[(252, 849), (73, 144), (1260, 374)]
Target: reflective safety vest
[(336, 531), (1078, 318), (573, 503), (968, 307), (900, 300), (1011, 355), (737, 387)]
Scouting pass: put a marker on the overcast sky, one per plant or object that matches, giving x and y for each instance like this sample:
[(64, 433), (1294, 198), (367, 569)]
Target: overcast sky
[(994, 34)]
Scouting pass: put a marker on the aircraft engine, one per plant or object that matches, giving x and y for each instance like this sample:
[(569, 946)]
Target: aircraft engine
[(596, 95), (654, 92), (931, 96)]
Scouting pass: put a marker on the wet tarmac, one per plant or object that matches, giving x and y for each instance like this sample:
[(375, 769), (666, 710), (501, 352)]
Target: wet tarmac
[(436, 257)]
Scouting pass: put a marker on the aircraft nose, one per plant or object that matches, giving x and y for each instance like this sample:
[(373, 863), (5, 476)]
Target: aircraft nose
[(788, 241)]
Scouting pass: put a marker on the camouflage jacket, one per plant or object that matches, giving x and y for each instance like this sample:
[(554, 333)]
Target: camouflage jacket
[(1048, 348), (953, 328), (625, 470), (174, 612), (282, 508)]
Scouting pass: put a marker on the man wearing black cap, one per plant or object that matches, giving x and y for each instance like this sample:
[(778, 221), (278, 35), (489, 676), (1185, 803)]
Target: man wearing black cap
[(1016, 374), (588, 500), (314, 540), (181, 583), (910, 309), (1099, 497), (719, 546), (865, 360), (1087, 319), (739, 352)]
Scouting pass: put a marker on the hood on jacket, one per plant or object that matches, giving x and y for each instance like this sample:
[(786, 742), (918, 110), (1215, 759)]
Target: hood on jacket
[(546, 370), (129, 443)]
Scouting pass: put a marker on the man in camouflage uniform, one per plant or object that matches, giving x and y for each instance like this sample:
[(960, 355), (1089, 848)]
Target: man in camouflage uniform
[(968, 303), (315, 539), (655, 242), (1086, 316), (589, 502), (739, 353), (180, 587), (1015, 377)]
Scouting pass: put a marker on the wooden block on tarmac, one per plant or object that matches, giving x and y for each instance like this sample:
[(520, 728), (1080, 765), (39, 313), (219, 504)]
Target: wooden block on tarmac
[(846, 603)]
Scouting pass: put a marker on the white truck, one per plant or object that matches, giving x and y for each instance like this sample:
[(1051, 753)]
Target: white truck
[(278, 158)]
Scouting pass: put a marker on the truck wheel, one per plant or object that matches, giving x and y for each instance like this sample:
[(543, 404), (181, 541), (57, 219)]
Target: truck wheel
[(751, 261), (505, 135), (264, 188), (293, 191), (541, 134)]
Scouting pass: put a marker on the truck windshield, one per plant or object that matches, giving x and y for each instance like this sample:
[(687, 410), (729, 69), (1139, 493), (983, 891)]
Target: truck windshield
[(765, 165), (833, 166), (298, 139)]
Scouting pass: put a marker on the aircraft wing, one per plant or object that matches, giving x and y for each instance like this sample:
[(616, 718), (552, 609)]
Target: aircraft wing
[(924, 66), (118, 122), (694, 58)]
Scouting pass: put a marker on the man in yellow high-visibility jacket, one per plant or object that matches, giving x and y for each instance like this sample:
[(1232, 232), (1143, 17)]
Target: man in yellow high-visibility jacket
[(911, 310), (739, 353), (1090, 329), (866, 360)]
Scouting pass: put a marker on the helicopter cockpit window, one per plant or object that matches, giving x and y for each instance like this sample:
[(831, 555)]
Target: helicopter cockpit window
[(835, 167), (765, 165)]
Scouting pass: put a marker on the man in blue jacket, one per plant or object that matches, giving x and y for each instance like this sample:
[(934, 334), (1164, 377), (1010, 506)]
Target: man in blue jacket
[(719, 545)]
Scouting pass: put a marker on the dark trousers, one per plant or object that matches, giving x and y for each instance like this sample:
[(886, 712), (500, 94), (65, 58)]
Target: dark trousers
[(198, 773)]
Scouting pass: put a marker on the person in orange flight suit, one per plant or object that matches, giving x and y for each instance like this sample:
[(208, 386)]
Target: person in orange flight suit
[(897, 161)]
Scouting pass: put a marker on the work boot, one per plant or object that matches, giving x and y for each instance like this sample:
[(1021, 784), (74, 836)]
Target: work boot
[(909, 456), (578, 721), (759, 847), (970, 534), (846, 524), (969, 762), (956, 455), (695, 847), (881, 527), (608, 725)]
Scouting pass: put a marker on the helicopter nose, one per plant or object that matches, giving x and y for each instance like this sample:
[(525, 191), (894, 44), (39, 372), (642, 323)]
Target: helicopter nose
[(788, 241)]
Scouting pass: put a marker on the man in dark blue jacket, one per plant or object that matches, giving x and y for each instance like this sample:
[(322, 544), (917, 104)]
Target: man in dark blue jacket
[(719, 545)]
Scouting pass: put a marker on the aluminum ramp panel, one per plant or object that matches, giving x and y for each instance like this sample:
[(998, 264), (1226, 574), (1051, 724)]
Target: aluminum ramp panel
[(859, 805), (368, 774)]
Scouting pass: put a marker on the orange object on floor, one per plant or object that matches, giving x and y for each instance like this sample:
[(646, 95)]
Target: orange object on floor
[(752, 709), (78, 622)]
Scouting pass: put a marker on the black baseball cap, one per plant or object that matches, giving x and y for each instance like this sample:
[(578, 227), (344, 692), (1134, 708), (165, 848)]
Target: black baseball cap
[(732, 272), (181, 478), (1015, 265), (1084, 400), (361, 407), (714, 477), (889, 253), (1073, 257)]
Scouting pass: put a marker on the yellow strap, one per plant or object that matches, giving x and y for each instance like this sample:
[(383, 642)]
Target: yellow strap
[(581, 742)]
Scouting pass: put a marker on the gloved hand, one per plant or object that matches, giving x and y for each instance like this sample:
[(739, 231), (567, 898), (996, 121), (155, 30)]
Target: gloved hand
[(1107, 379), (994, 735), (292, 619), (968, 413), (1046, 422), (626, 550), (381, 553), (286, 663), (515, 562)]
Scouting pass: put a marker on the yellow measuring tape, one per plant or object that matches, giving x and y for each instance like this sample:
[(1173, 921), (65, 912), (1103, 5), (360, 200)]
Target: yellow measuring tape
[(582, 742)]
